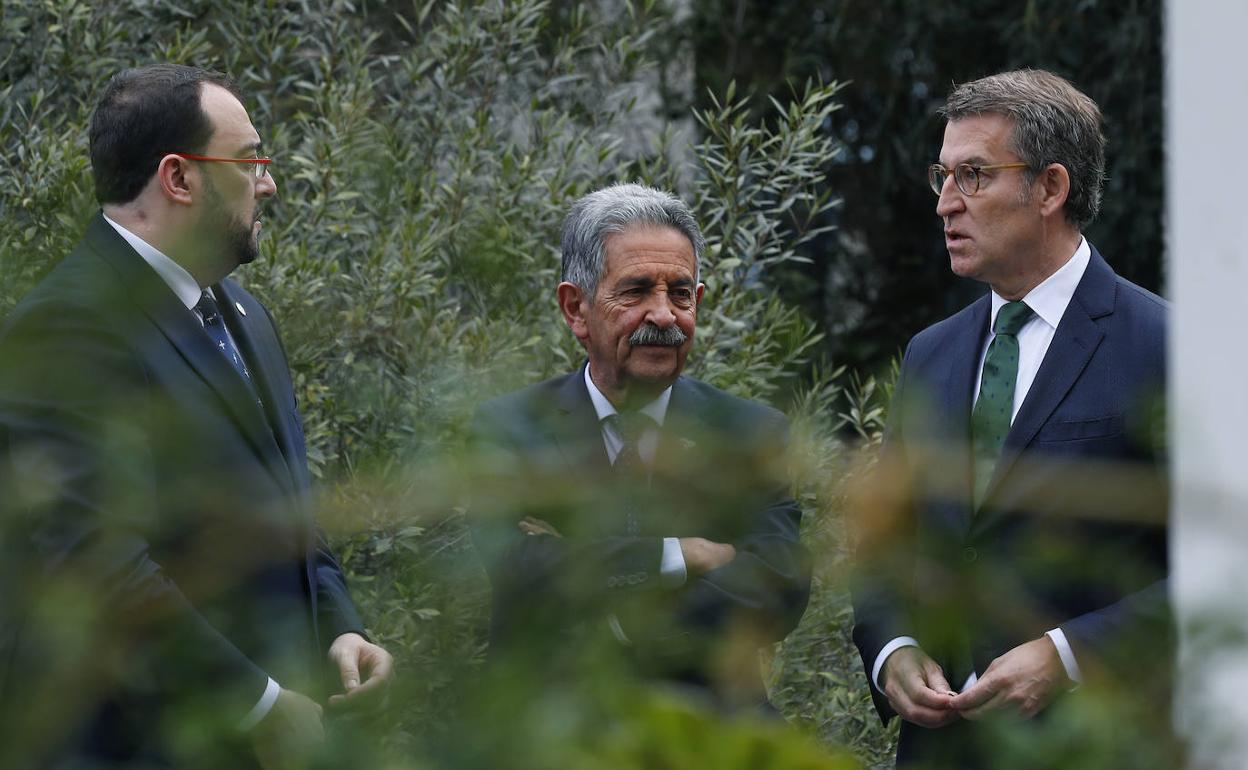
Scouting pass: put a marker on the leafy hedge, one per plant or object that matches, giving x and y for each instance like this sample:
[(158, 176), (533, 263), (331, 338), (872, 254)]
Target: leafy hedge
[(425, 154)]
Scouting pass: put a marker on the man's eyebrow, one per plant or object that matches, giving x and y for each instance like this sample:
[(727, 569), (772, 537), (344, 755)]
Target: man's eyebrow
[(682, 282), (253, 149), (974, 160), (638, 280)]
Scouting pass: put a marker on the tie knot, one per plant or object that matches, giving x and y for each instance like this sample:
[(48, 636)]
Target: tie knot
[(1011, 317), (207, 307), (632, 424)]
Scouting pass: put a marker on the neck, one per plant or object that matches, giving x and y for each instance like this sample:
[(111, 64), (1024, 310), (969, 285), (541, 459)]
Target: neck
[(627, 396), (179, 244), (1053, 251)]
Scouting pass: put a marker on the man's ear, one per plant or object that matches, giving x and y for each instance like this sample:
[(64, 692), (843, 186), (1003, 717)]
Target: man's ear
[(573, 304), (173, 177), (697, 297), (1054, 184)]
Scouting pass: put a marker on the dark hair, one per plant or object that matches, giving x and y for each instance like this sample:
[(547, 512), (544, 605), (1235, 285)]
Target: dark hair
[(144, 112), (1054, 122)]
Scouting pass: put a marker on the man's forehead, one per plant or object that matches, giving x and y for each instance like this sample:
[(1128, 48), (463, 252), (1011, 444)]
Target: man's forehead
[(231, 126), (645, 242), (976, 138)]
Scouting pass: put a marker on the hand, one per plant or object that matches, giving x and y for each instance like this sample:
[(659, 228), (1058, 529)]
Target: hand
[(530, 525), (1021, 683), (290, 734), (702, 555), (353, 654), (916, 688)]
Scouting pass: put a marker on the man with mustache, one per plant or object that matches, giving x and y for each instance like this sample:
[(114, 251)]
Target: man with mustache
[(168, 598), (1014, 583), (633, 519)]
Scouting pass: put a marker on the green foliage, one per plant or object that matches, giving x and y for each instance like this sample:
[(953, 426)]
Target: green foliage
[(425, 154)]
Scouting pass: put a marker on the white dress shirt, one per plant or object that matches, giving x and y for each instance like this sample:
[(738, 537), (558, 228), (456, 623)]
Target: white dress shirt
[(672, 570), (1048, 302), (188, 292)]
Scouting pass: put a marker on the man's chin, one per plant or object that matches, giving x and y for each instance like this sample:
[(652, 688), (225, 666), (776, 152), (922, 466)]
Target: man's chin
[(655, 375)]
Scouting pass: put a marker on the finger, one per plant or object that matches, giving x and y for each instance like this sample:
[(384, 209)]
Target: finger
[(936, 681), (349, 671), (928, 698), (927, 717), (380, 666), (990, 706), (979, 693)]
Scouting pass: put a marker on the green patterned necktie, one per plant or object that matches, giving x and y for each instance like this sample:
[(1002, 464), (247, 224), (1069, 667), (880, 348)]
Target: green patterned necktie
[(990, 420)]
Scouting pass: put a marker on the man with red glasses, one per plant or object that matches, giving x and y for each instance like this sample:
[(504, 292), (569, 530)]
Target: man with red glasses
[(1018, 586), (168, 598)]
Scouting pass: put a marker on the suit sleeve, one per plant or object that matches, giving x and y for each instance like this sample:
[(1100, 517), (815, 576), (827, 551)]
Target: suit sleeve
[(883, 564), (1137, 631), (767, 584), (541, 580), (73, 406), (335, 611)]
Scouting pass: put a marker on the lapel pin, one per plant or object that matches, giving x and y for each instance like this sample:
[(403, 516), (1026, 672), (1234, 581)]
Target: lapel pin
[(239, 307)]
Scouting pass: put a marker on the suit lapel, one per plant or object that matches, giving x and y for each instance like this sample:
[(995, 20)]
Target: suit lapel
[(575, 428), (1075, 340), (183, 330), (271, 381), (954, 408), (689, 419)]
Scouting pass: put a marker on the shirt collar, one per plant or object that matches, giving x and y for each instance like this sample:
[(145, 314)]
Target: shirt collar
[(655, 410), (179, 280), (1050, 298)]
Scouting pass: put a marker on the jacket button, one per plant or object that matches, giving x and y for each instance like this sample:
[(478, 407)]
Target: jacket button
[(969, 554)]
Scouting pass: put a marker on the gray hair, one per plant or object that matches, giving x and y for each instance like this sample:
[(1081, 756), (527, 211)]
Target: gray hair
[(611, 210), (1054, 122)]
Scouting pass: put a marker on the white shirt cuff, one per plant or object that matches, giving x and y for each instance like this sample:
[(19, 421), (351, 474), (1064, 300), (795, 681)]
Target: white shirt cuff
[(1067, 655), (672, 566), (889, 649), (262, 707)]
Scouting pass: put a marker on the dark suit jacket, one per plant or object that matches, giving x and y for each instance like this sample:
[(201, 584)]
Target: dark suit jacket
[(719, 473), (1071, 532), (145, 479)]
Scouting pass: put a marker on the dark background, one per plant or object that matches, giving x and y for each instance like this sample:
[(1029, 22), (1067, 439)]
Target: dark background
[(883, 274)]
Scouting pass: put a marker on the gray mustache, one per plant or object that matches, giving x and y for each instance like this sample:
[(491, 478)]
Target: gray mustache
[(649, 334)]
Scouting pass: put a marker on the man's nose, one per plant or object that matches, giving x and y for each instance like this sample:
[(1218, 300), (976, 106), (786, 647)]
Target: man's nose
[(659, 310), (951, 199), (266, 186)]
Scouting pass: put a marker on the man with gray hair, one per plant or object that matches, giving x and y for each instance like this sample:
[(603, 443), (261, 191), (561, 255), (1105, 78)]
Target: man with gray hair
[(627, 514), (1027, 557)]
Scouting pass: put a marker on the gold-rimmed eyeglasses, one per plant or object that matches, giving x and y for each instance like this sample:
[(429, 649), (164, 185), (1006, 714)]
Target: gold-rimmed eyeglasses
[(965, 175), (259, 166)]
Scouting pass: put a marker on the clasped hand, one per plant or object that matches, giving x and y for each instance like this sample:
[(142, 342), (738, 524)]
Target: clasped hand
[(701, 555), (292, 732), (1019, 684)]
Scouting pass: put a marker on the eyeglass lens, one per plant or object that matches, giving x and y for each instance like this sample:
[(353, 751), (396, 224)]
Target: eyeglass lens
[(964, 176)]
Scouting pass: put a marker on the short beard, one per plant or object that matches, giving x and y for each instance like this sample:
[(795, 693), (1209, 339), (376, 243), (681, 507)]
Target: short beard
[(649, 334), (239, 241)]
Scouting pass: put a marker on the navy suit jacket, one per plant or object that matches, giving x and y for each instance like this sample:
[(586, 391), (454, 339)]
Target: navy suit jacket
[(143, 475), (1072, 529), (719, 473)]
